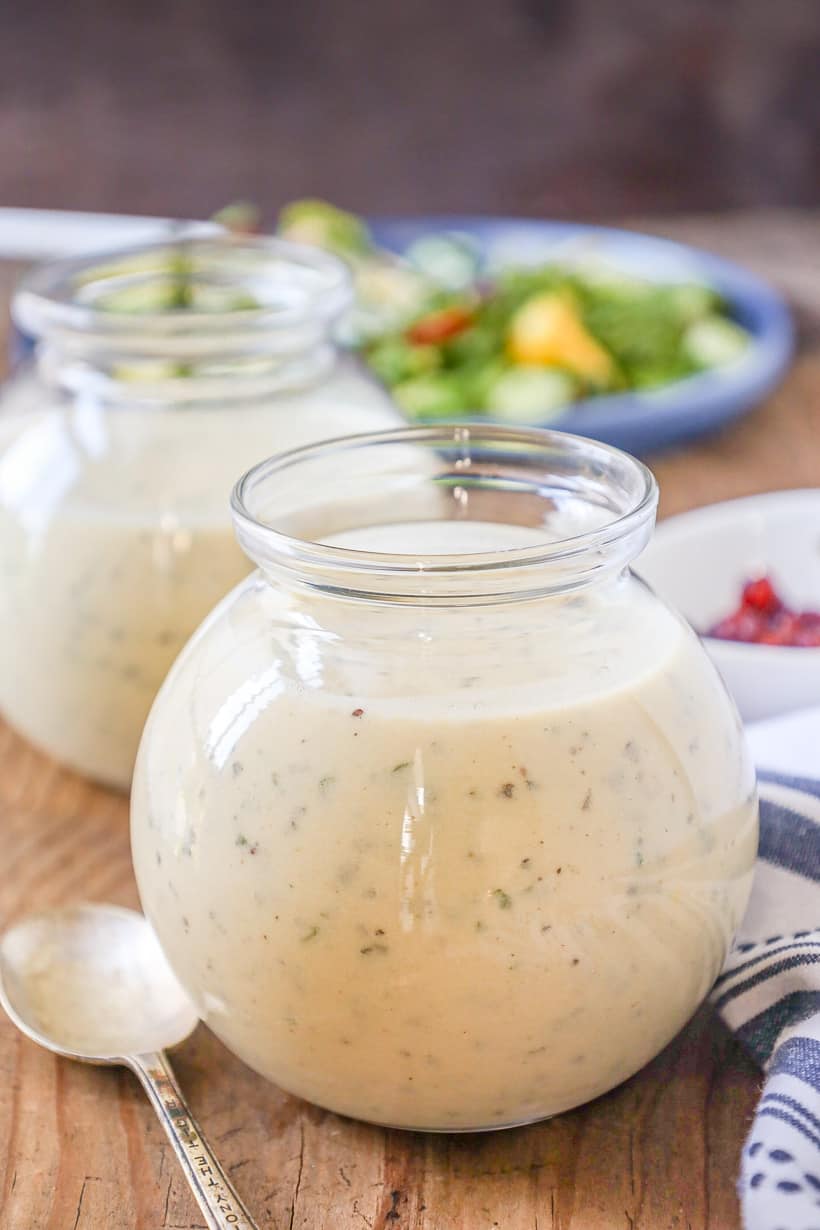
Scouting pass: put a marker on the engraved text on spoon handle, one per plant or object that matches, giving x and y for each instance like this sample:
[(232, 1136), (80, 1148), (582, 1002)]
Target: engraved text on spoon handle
[(214, 1191)]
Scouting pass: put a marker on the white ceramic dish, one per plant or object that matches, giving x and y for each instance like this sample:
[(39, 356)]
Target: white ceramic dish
[(43, 234), (698, 562)]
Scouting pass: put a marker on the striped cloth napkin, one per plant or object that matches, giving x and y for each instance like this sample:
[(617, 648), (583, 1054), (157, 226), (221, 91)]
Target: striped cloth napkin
[(769, 991)]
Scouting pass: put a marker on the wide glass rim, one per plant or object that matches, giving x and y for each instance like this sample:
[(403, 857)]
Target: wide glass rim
[(65, 295), (583, 552)]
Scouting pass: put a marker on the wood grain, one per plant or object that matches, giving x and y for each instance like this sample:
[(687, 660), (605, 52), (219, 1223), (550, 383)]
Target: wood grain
[(80, 1149)]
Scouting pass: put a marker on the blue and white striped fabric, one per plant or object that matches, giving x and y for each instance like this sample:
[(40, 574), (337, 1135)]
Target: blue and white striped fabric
[(769, 996)]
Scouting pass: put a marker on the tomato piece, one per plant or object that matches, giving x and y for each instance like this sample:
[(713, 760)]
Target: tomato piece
[(439, 326)]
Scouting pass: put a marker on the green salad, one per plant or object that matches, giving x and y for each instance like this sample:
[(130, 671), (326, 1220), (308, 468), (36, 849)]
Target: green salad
[(521, 343), (450, 339)]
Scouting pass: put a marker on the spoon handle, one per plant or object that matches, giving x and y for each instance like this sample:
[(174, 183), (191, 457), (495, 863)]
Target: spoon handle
[(215, 1194)]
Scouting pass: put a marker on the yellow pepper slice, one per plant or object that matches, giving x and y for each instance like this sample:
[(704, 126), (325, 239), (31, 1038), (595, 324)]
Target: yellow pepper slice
[(547, 331)]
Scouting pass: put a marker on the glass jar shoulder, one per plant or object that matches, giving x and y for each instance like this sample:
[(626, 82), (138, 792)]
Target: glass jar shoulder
[(577, 646), (619, 663), (131, 457)]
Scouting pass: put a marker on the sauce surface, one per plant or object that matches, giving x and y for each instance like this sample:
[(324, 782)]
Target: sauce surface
[(444, 869)]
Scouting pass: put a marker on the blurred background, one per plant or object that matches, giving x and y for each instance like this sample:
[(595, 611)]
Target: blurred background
[(566, 108)]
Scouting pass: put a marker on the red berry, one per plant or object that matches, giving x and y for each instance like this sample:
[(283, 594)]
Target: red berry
[(741, 625), (760, 596), (763, 619), (781, 631), (807, 632)]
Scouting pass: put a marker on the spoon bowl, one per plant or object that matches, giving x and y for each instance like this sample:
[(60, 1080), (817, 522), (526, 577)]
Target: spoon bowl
[(92, 983)]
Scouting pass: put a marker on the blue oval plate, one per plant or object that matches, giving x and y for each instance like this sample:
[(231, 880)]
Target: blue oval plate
[(639, 421)]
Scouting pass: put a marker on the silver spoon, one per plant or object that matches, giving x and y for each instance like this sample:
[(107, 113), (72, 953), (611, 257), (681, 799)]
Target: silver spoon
[(91, 983)]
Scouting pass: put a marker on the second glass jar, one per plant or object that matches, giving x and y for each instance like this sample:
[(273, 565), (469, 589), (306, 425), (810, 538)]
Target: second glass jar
[(159, 375)]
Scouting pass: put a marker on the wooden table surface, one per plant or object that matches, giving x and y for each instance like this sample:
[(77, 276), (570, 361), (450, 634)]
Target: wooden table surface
[(80, 1148)]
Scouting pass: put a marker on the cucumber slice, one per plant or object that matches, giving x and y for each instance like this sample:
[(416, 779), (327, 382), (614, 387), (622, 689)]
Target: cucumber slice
[(714, 341), (530, 394), (432, 396), (450, 260)]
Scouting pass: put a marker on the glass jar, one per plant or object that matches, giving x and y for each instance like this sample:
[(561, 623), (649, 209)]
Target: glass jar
[(442, 817), (160, 374)]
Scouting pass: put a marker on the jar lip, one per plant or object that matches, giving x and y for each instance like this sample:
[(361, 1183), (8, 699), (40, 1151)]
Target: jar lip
[(269, 546), (293, 283)]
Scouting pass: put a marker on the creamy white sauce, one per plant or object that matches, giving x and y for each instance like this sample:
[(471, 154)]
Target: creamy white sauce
[(444, 868), (116, 541), (430, 538)]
